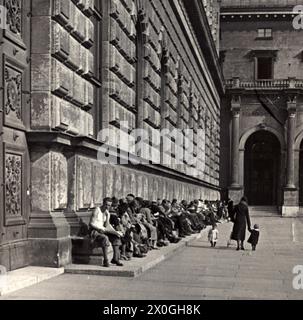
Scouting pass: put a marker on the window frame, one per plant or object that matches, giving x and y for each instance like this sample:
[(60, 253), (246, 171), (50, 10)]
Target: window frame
[(257, 67), (263, 35)]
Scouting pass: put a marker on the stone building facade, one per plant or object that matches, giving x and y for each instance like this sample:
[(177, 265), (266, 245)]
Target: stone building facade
[(74, 67), (261, 146)]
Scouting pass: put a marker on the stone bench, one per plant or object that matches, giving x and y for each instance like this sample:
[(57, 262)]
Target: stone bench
[(84, 251)]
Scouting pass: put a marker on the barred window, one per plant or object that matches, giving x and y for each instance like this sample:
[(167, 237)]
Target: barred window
[(265, 33)]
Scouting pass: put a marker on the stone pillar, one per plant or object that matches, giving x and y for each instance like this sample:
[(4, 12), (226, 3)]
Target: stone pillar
[(62, 94), (290, 204), (290, 145), (235, 190)]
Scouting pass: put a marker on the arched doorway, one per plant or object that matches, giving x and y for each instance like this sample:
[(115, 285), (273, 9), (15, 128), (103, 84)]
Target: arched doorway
[(262, 168)]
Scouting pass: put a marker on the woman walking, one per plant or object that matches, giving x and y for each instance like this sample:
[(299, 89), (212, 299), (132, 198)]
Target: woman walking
[(241, 221)]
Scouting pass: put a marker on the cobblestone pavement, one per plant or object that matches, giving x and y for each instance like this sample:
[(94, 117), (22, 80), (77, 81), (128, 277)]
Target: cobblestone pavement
[(199, 272)]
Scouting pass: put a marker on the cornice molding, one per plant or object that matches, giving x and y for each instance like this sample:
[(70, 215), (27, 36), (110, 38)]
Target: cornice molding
[(201, 28)]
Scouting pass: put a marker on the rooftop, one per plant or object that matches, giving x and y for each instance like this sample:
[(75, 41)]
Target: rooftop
[(262, 5), (265, 4)]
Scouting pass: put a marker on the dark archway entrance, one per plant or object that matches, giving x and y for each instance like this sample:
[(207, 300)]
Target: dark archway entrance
[(262, 169)]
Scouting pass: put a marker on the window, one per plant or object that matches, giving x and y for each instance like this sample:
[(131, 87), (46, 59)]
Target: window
[(264, 68), (265, 33)]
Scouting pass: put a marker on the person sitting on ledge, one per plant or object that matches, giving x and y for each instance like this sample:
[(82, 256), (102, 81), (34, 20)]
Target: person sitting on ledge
[(103, 233)]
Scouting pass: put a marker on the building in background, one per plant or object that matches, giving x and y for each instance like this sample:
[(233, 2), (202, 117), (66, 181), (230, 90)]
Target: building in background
[(73, 68), (262, 114)]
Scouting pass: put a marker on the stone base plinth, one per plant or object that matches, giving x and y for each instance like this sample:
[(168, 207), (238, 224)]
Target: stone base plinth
[(290, 211), (290, 206), (54, 253)]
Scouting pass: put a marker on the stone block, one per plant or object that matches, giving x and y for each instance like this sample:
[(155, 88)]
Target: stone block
[(19, 255), (41, 34), (99, 182), (109, 182), (59, 181), (40, 110), (41, 180), (89, 37), (54, 253), (58, 120), (67, 117), (291, 197), (75, 58), (41, 7), (60, 42), (41, 72), (84, 182), (5, 257), (79, 87), (87, 63), (78, 23), (62, 80), (62, 12), (88, 95)]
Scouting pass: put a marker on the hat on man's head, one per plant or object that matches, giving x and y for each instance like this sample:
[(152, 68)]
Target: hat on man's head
[(256, 226)]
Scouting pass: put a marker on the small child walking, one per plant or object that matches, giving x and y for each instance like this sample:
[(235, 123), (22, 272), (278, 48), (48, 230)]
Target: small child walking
[(254, 237), (213, 235)]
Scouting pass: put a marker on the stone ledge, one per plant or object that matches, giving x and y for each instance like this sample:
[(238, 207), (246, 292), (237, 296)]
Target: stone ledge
[(26, 277), (135, 267)]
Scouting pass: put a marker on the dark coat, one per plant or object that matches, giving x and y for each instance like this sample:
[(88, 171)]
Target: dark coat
[(241, 221), (230, 209), (254, 237)]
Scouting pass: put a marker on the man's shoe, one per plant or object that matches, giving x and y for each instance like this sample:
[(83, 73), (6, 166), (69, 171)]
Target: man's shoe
[(139, 255), (117, 263), (238, 249), (106, 264), (243, 249)]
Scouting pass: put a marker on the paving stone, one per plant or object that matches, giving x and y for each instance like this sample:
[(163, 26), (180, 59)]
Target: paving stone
[(196, 272)]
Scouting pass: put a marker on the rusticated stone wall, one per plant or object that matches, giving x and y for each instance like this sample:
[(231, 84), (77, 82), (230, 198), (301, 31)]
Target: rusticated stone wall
[(188, 100), (62, 66), (84, 72)]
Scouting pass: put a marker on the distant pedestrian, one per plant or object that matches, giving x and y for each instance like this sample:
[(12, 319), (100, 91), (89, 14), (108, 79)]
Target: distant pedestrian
[(241, 221), (254, 237), (213, 236)]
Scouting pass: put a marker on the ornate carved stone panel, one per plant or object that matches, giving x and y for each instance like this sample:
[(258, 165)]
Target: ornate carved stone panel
[(14, 16), (13, 94), (13, 185)]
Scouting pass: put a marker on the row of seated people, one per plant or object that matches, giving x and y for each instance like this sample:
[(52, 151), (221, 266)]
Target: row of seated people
[(134, 226)]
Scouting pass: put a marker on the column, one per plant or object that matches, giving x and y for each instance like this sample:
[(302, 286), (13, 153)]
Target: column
[(290, 206), (291, 108), (235, 109)]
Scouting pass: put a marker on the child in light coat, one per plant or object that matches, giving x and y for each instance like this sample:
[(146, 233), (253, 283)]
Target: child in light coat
[(213, 236)]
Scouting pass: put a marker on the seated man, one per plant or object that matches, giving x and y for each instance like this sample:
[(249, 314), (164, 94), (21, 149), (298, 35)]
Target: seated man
[(102, 232)]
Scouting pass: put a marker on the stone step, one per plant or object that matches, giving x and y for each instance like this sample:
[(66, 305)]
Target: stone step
[(136, 266), (26, 277), (264, 208), (264, 211)]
